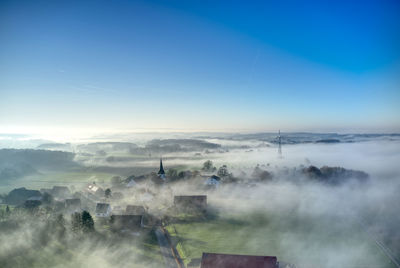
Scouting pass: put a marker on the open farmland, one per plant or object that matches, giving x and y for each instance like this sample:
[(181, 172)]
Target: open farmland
[(291, 239)]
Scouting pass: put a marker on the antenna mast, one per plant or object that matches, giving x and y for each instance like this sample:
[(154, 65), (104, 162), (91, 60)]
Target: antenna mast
[(279, 145)]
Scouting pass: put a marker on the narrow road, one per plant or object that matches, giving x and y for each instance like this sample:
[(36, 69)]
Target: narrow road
[(165, 248), (382, 246)]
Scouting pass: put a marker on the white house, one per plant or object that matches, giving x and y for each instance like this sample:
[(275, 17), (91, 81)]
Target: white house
[(103, 210)]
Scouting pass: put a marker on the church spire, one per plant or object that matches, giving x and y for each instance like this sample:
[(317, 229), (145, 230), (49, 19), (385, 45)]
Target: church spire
[(161, 171)]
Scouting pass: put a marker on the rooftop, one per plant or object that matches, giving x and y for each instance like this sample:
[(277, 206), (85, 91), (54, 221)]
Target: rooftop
[(215, 260)]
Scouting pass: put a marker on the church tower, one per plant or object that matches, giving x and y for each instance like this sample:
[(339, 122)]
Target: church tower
[(161, 172)]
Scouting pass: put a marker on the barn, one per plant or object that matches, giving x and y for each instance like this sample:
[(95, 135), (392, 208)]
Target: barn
[(126, 222), (190, 203), (73, 205), (134, 210), (215, 260)]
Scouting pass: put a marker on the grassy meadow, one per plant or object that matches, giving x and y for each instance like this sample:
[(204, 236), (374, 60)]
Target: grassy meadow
[(291, 239), (50, 179)]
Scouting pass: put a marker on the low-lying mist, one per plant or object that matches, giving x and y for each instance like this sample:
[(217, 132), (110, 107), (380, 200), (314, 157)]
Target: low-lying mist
[(311, 223)]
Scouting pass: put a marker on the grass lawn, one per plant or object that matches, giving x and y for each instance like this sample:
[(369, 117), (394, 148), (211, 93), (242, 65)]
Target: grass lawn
[(304, 242), (49, 179)]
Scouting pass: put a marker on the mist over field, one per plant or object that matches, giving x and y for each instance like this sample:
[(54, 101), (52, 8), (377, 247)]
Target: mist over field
[(323, 203), (199, 134)]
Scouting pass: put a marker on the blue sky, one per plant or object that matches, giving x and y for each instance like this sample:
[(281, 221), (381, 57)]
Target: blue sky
[(200, 65)]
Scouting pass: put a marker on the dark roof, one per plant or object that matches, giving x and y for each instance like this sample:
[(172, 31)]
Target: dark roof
[(215, 177), (61, 189), (214, 260), (35, 198), (134, 210), (102, 207), (191, 203), (18, 196), (161, 171), (73, 202), (32, 203), (127, 221), (190, 198)]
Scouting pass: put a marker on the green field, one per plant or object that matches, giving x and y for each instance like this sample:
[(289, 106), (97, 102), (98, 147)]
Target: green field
[(49, 179), (306, 242)]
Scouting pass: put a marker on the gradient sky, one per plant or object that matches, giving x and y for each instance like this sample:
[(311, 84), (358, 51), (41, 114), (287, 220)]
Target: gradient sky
[(200, 65)]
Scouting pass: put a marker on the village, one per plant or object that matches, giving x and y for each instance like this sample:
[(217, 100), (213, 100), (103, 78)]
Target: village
[(135, 206)]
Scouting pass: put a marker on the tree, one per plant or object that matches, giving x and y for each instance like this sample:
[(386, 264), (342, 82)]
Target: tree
[(107, 193), (87, 222), (223, 171), (76, 222), (60, 226), (182, 174), (208, 166), (172, 174)]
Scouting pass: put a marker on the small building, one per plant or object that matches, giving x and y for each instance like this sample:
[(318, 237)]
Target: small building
[(73, 205), (95, 190), (60, 191), (126, 222), (33, 202), (45, 190), (103, 210), (134, 210), (117, 210), (215, 260), (20, 195), (131, 183), (191, 203), (213, 181)]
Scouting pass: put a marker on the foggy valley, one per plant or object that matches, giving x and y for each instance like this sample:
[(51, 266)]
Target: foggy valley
[(199, 134), (318, 204)]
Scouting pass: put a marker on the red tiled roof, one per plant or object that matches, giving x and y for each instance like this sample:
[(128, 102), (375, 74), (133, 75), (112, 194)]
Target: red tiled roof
[(213, 260)]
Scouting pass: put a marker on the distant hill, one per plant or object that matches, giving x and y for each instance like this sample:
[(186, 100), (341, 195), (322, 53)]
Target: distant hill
[(96, 147), (179, 145), (304, 137), (20, 162), (55, 146), (16, 170)]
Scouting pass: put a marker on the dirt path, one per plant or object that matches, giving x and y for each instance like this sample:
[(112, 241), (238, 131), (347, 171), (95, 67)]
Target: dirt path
[(165, 248)]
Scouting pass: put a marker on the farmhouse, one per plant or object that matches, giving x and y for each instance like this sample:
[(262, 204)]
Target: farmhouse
[(117, 210), (126, 222), (103, 210), (18, 196), (214, 260), (191, 203), (45, 190), (134, 210), (131, 183), (60, 191), (95, 190), (33, 202), (73, 205)]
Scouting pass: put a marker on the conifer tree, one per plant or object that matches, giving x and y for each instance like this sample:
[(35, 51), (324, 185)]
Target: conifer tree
[(76, 222), (87, 222)]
